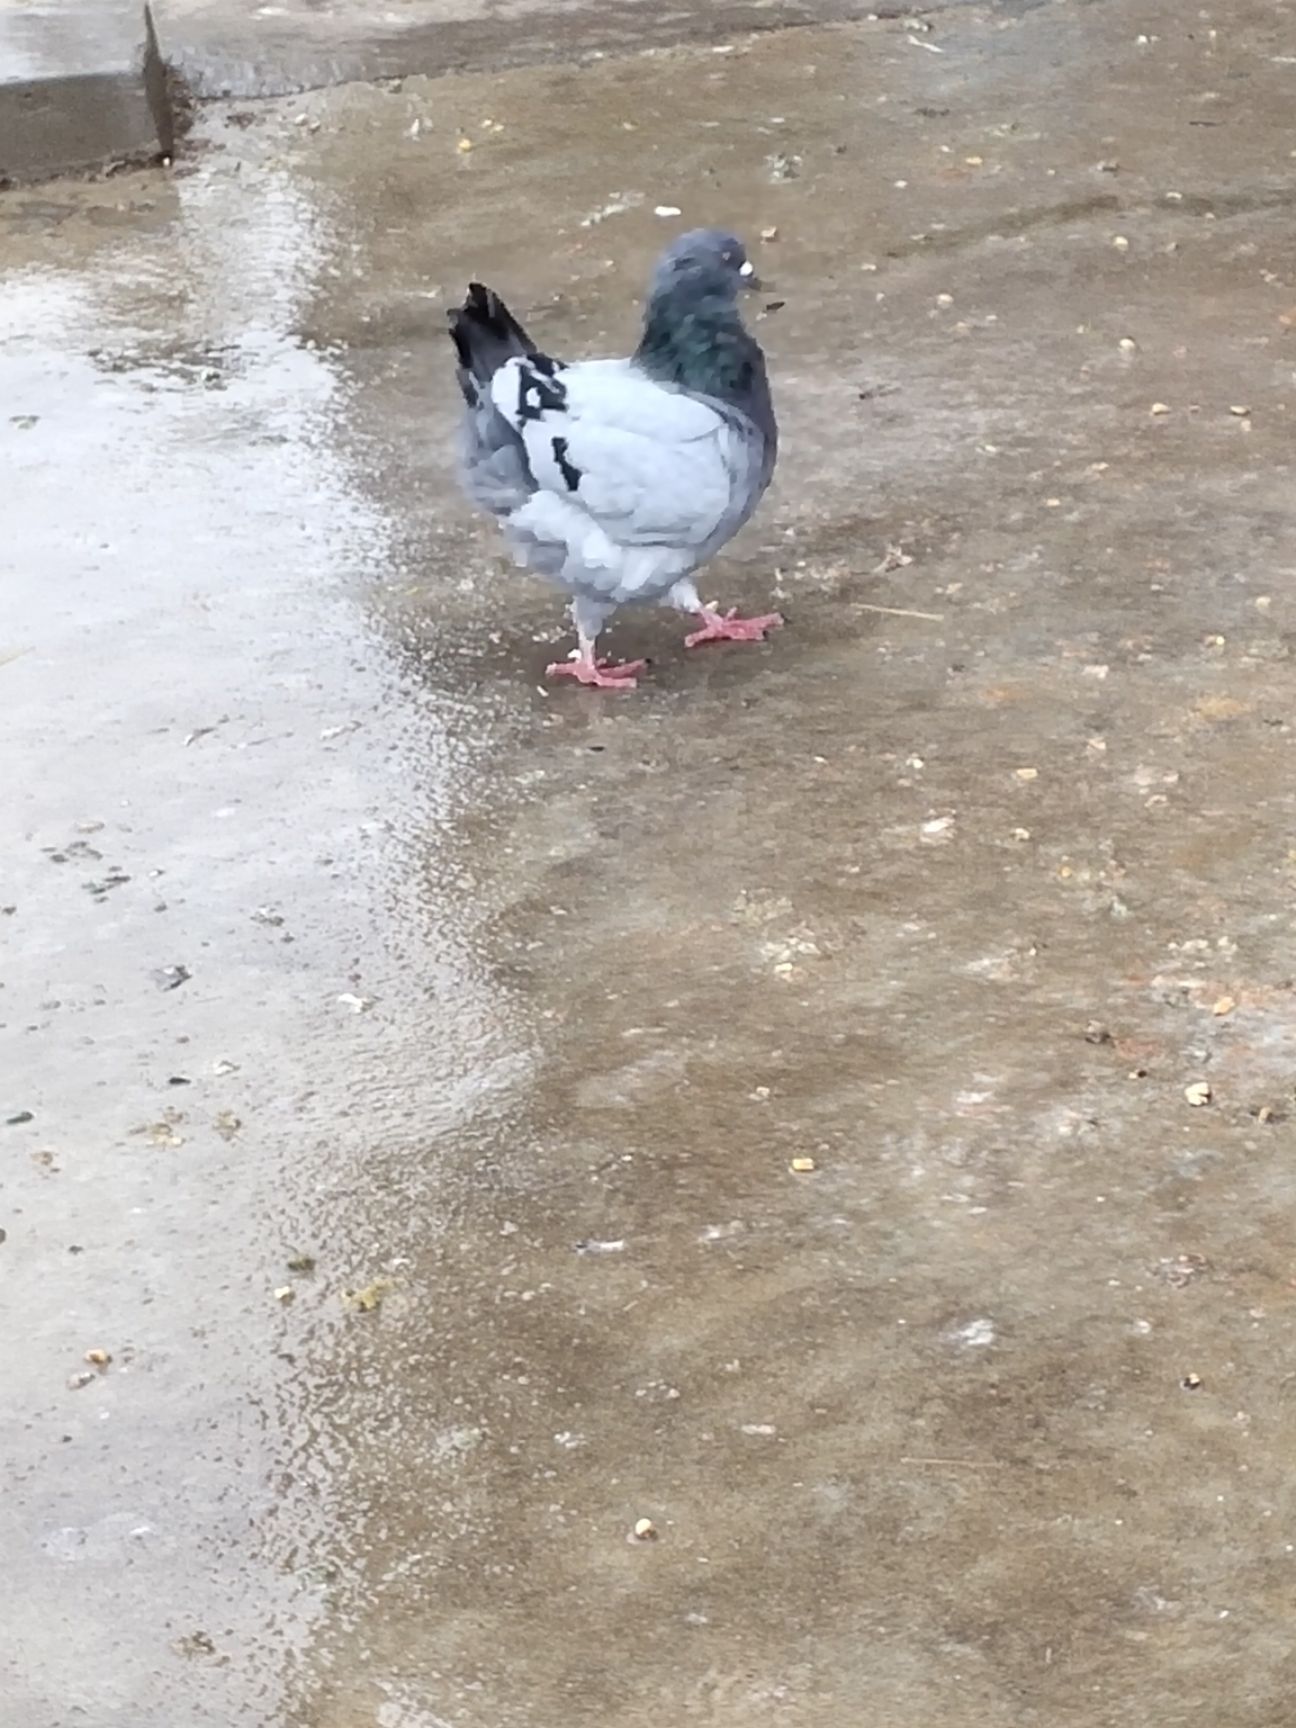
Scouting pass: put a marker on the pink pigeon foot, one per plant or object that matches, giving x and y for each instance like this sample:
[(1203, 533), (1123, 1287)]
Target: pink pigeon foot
[(729, 627), (600, 674)]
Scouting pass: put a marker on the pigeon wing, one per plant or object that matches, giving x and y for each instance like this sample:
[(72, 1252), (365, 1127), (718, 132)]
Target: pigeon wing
[(649, 465)]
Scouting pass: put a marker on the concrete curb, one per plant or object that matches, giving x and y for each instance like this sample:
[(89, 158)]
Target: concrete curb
[(83, 86), (242, 52)]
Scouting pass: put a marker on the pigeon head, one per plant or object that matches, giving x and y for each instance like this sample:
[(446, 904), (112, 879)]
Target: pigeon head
[(705, 262), (693, 337)]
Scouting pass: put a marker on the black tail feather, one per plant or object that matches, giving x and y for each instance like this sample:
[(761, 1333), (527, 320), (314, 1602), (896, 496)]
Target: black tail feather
[(485, 334)]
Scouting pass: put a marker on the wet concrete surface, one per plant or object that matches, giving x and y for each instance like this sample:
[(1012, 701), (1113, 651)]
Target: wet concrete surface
[(340, 956)]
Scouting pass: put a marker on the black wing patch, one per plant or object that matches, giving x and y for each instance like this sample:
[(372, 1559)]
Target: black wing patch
[(539, 391), (570, 472)]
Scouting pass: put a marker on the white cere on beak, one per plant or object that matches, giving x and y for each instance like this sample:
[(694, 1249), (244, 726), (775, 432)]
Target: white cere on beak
[(746, 268)]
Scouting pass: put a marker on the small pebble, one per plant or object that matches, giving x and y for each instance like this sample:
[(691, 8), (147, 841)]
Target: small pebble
[(645, 1530)]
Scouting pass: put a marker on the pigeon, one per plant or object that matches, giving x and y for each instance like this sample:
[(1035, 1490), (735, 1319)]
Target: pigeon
[(618, 479)]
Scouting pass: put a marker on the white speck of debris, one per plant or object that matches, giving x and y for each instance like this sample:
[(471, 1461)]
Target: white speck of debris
[(1198, 1093), (617, 1247), (974, 1335), (644, 1530), (936, 828), (357, 1004), (616, 204), (759, 1429), (929, 46), (721, 1232), (667, 210)]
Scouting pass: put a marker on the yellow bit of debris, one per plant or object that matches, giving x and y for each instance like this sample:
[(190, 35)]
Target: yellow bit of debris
[(1198, 1093), (369, 1298), (802, 1166)]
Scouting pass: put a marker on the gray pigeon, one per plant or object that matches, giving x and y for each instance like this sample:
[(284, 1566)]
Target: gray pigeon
[(618, 479)]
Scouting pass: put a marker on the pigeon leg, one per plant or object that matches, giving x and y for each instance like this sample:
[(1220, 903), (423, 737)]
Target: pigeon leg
[(729, 627), (590, 615), (601, 674)]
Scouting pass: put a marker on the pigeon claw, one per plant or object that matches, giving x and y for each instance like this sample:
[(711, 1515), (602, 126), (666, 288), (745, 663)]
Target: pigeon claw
[(729, 627), (599, 674)]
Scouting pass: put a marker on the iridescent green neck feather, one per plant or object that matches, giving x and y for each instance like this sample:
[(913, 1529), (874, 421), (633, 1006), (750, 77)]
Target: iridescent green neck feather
[(696, 341)]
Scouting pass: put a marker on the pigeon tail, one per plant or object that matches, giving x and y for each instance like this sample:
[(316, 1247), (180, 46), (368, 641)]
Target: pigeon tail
[(485, 334)]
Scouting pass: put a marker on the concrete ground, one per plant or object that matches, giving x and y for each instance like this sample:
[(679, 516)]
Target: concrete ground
[(404, 1064)]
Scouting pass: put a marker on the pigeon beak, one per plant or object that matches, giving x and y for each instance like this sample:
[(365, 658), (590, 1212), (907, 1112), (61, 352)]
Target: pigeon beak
[(747, 271)]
